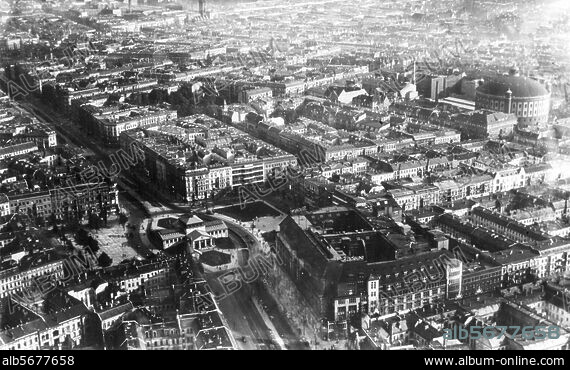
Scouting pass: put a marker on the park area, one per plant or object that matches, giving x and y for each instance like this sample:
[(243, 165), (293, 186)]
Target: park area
[(111, 240), (249, 212), (225, 243), (215, 258)]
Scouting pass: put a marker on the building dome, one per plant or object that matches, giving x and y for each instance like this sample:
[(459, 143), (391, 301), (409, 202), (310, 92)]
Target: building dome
[(524, 97), (521, 87)]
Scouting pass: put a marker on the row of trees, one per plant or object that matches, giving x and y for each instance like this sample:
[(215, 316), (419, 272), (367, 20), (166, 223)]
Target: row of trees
[(188, 99), (85, 239)]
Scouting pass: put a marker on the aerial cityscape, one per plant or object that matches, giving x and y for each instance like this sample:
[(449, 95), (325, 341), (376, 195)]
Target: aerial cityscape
[(284, 175)]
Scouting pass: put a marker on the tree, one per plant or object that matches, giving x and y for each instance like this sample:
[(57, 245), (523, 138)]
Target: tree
[(40, 221), (123, 219), (82, 237), (144, 99), (94, 221), (104, 260), (52, 220), (48, 94), (362, 186), (112, 99), (135, 99), (157, 96), (103, 214), (93, 244)]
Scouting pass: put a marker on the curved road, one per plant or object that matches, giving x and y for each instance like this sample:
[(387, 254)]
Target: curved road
[(239, 308)]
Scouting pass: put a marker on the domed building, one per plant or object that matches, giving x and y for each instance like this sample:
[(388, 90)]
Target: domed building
[(528, 99)]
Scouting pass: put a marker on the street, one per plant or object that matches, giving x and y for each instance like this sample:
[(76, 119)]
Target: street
[(136, 216), (242, 314)]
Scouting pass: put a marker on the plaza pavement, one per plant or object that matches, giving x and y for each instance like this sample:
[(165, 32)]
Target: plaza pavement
[(113, 241)]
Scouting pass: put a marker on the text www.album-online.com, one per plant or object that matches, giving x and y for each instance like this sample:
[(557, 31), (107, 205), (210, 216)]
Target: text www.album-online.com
[(513, 361)]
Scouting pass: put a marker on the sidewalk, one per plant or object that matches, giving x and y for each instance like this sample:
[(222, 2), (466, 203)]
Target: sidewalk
[(144, 229), (269, 324), (294, 306)]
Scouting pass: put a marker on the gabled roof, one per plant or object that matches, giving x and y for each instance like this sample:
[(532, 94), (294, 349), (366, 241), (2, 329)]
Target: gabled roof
[(115, 311), (167, 234), (197, 234), (190, 219), (215, 224)]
